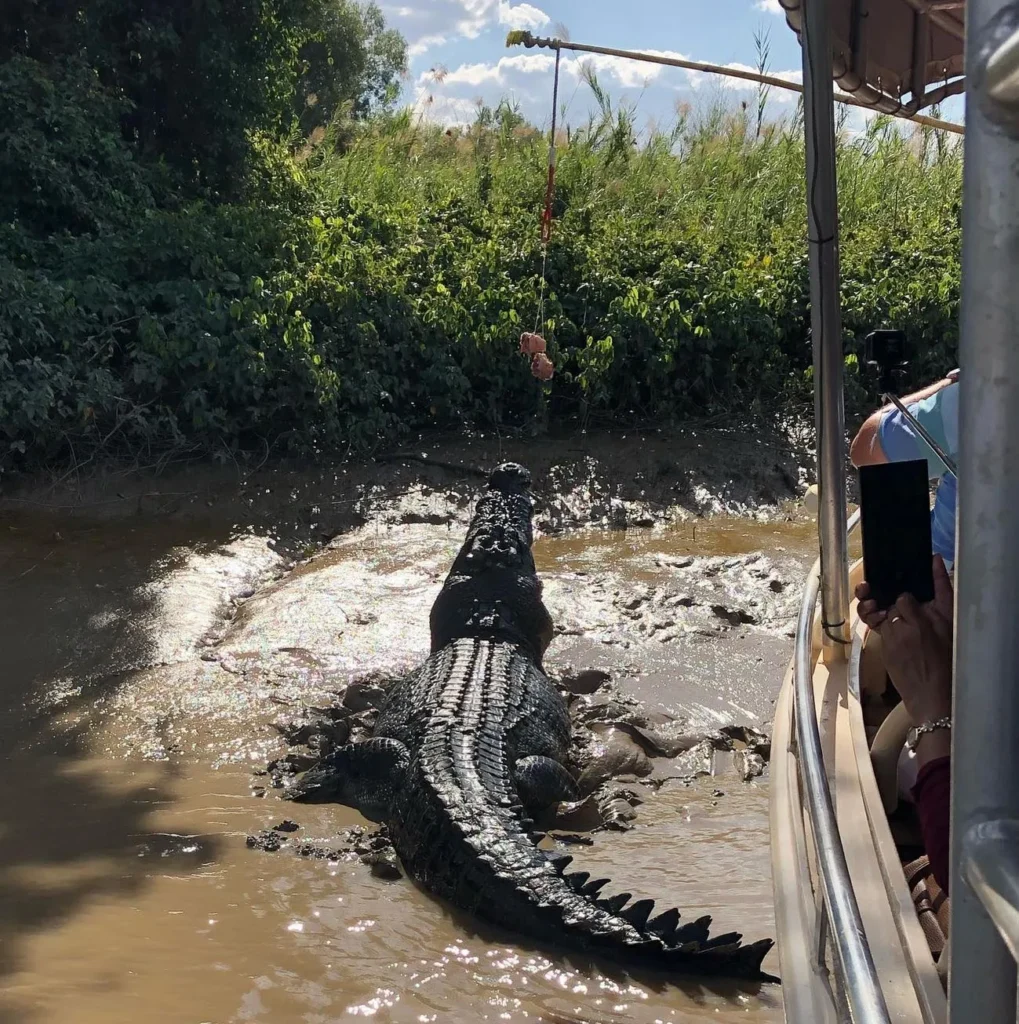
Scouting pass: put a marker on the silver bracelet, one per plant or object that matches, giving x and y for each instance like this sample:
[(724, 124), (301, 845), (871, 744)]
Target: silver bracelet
[(914, 734)]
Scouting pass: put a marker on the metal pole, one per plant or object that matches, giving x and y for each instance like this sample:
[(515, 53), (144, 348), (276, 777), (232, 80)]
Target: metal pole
[(985, 752), (531, 41), (826, 322)]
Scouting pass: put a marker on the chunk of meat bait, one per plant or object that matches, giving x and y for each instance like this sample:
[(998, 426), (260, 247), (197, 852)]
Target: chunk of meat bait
[(542, 367), (531, 344)]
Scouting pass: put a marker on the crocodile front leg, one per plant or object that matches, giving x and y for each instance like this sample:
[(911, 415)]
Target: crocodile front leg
[(366, 776), (542, 782)]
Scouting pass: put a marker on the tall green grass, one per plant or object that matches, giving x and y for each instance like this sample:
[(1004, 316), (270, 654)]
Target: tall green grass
[(677, 274), (377, 284)]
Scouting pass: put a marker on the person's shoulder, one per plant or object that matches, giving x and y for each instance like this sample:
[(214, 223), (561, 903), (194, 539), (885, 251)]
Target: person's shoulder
[(947, 410), (943, 402), (950, 399), (939, 414)]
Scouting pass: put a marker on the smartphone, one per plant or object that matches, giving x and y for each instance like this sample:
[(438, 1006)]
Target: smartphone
[(895, 517)]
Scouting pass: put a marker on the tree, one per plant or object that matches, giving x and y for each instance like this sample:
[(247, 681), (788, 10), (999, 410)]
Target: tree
[(352, 60), (195, 78)]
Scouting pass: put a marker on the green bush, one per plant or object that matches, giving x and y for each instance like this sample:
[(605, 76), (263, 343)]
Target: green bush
[(193, 80), (63, 165), (361, 291)]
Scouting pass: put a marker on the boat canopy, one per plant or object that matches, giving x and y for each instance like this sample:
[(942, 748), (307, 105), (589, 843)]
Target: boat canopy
[(897, 56)]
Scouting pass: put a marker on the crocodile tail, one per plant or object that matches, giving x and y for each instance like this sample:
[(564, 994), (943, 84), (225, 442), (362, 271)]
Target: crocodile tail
[(662, 939), (498, 873)]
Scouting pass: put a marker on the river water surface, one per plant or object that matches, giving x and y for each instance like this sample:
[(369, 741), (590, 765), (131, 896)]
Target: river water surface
[(146, 662)]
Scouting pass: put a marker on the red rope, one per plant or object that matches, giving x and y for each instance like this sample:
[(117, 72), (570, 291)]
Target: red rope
[(546, 217)]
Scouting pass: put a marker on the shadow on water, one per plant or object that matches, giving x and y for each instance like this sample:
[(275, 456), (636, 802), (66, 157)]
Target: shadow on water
[(697, 990), (77, 609)]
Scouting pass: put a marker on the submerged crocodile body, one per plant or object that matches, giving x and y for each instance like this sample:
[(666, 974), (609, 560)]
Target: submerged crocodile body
[(474, 743)]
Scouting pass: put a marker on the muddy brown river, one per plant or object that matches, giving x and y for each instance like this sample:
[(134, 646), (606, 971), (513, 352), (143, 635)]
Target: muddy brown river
[(148, 661)]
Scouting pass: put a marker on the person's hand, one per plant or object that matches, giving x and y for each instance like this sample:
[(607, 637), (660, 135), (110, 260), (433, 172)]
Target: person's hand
[(916, 640), (953, 376)]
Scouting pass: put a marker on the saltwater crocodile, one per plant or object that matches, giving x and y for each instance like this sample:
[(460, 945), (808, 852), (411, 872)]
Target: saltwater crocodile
[(474, 743)]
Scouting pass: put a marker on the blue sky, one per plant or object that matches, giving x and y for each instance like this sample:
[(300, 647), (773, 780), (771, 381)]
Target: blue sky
[(459, 57)]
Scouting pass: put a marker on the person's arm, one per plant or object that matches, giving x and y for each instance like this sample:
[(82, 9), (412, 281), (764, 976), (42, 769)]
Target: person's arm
[(866, 448), (932, 795), (917, 642), (932, 791)]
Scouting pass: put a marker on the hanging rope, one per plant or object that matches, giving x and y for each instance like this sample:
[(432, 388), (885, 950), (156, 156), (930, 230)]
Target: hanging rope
[(533, 344), (546, 219), (546, 216)]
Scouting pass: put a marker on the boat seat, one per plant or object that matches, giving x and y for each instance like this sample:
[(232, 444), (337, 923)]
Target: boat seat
[(877, 695), (885, 751), (873, 677)]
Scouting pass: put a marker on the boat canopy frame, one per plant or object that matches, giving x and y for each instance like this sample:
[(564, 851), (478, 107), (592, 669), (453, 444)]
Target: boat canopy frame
[(984, 932)]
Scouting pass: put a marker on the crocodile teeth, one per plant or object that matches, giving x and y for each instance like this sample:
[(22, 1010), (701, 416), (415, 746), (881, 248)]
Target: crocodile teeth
[(615, 903), (595, 887), (638, 914), (578, 879), (664, 924), (561, 861)]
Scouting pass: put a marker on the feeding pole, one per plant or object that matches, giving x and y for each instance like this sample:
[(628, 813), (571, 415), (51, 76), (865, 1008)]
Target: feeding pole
[(773, 82)]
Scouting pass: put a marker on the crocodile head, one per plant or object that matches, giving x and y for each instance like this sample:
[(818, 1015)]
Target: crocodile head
[(350, 775), (329, 781), (493, 590)]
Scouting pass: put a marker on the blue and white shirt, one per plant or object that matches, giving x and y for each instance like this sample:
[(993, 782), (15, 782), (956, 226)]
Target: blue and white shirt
[(939, 415)]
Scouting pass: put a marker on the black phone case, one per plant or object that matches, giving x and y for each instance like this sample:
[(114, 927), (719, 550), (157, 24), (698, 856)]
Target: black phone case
[(895, 516)]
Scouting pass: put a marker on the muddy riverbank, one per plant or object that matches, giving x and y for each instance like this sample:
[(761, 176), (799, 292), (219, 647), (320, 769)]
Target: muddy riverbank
[(163, 634)]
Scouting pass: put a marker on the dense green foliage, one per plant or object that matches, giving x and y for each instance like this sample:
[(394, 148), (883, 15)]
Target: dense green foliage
[(179, 272), (193, 80)]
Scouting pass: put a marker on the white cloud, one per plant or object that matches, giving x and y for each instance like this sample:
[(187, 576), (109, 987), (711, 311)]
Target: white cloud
[(430, 23), (424, 44), (853, 122), (770, 6), (445, 110), (500, 73), (451, 97), (523, 16), (530, 74), (630, 74)]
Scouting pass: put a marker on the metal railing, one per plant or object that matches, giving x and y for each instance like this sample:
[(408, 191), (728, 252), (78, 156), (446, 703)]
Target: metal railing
[(844, 925), (991, 866)]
